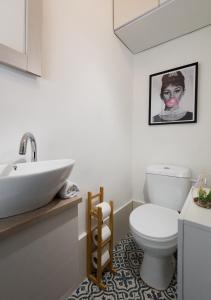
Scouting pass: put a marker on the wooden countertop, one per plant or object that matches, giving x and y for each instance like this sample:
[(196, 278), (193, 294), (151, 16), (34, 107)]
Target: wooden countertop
[(12, 224)]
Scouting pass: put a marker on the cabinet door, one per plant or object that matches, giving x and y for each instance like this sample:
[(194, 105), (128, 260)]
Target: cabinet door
[(196, 263), (127, 10), (20, 34)]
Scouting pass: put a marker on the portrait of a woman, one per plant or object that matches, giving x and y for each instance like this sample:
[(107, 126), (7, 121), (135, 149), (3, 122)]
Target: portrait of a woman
[(174, 105)]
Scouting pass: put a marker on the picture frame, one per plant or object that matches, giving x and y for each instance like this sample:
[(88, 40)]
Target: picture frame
[(173, 96)]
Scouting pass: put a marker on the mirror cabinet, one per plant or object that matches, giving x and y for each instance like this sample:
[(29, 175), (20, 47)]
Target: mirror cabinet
[(20, 34)]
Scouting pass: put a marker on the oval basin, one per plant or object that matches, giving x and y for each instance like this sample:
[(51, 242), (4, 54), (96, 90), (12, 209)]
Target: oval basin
[(28, 186)]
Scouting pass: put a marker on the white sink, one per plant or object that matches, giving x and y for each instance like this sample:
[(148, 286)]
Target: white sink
[(27, 186)]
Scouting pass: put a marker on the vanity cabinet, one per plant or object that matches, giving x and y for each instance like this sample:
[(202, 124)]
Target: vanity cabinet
[(194, 252), (39, 252), (143, 24)]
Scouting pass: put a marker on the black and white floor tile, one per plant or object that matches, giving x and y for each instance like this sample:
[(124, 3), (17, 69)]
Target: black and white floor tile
[(126, 284)]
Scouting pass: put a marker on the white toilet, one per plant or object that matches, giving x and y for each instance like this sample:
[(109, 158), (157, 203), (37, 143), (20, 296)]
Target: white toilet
[(155, 225)]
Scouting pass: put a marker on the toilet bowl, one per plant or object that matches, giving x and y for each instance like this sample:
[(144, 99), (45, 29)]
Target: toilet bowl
[(155, 230), (154, 225)]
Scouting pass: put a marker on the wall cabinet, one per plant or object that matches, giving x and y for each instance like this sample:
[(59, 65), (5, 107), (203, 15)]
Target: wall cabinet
[(142, 24), (21, 34), (127, 10), (194, 252)]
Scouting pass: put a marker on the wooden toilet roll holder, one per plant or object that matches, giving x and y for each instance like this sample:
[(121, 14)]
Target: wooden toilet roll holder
[(96, 213)]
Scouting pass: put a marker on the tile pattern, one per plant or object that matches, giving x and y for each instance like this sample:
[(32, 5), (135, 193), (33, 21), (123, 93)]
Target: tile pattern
[(126, 284)]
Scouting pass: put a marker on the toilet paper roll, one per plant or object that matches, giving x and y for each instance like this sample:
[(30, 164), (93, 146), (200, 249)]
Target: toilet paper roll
[(106, 233), (106, 209), (104, 258)]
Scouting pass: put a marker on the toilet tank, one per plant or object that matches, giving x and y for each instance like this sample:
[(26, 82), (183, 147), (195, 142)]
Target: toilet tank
[(167, 185)]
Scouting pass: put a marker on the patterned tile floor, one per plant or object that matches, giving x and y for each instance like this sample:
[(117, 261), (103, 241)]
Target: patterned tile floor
[(126, 284)]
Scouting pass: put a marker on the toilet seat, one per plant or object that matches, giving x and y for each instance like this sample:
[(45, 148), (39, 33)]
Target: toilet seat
[(154, 222)]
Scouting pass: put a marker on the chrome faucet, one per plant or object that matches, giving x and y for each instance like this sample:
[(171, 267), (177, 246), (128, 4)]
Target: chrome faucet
[(23, 144)]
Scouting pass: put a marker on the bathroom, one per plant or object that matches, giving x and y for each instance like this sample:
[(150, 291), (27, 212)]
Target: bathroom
[(91, 105)]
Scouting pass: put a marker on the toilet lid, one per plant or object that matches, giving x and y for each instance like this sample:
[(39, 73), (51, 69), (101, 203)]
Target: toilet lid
[(155, 222)]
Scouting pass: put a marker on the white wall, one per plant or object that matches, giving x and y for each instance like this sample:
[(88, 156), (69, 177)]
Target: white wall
[(184, 144), (81, 108)]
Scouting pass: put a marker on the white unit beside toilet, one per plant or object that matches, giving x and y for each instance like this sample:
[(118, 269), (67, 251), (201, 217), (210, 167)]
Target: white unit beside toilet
[(155, 224)]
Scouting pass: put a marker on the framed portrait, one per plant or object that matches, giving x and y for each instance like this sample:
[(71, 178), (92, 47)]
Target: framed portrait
[(173, 96)]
